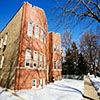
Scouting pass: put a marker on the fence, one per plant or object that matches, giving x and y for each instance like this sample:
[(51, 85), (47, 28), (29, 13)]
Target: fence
[(78, 77)]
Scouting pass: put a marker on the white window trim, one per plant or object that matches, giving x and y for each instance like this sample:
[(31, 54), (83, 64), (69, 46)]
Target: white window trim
[(29, 28), (36, 35), (35, 83), (35, 67), (2, 59), (26, 58)]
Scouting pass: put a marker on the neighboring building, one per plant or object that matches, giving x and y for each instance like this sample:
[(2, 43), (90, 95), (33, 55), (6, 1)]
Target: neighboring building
[(55, 66), (29, 56)]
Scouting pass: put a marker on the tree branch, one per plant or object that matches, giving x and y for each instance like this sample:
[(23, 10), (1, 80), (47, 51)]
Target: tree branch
[(95, 5)]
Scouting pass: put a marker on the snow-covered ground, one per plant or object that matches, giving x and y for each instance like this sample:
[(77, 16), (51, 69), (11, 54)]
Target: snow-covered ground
[(67, 89)]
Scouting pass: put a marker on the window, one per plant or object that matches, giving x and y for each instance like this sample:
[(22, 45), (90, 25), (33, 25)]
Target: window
[(45, 37), (30, 28), (5, 39), (40, 60), (54, 64), (28, 58), (43, 82), (44, 61), (35, 59), (40, 82), (58, 64), (42, 34), (2, 59), (34, 83), (37, 31), (57, 47), (54, 46), (1, 42)]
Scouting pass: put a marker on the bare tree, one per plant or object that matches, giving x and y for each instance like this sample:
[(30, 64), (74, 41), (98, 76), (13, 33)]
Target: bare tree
[(72, 12), (90, 46), (67, 39)]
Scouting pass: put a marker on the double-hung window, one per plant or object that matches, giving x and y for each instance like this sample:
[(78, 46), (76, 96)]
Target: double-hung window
[(40, 60), (28, 58), (44, 61), (58, 64), (40, 82), (54, 46), (57, 47), (37, 31), (5, 39), (42, 34), (35, 59), (54, 64), (30, 28), (45, 37), (2, 59), (1, 42)]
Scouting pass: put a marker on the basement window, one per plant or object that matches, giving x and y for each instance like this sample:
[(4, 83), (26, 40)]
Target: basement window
[(34, 83)]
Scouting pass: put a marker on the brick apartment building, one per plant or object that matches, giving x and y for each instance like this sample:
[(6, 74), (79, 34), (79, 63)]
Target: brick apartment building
[(30, 57)]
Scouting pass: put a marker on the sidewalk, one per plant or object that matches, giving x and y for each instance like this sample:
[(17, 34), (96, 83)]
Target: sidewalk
[(89, 91)]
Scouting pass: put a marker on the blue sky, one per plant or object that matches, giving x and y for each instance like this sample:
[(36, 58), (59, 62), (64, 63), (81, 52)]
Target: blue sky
[(10, 7)]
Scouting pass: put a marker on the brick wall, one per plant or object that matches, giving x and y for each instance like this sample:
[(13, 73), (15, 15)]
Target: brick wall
[(37, 16)]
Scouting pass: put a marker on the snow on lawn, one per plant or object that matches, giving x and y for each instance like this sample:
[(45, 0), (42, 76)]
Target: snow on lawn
[(67, 89)]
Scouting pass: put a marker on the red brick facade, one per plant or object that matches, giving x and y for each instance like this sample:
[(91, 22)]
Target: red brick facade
[(24, 75)]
